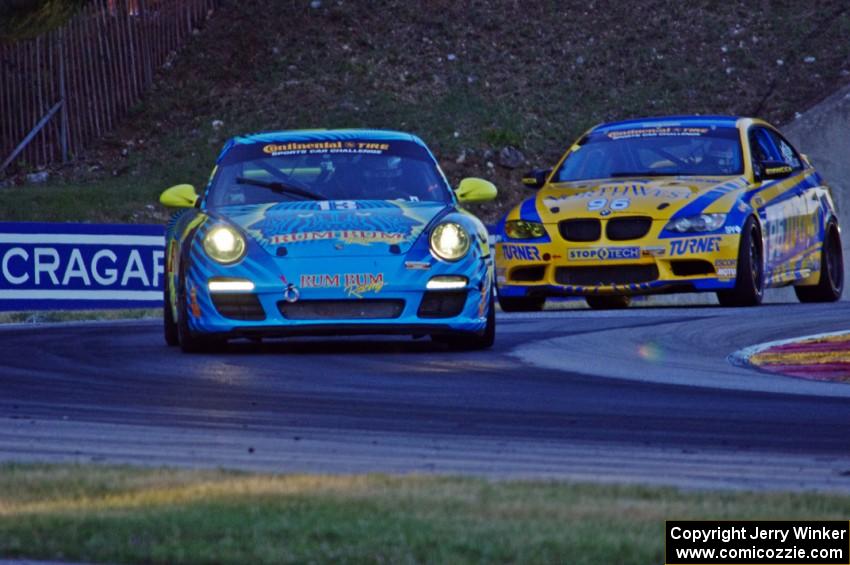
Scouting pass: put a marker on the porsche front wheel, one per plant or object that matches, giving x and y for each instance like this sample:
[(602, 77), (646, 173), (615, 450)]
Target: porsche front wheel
[(169, 326), (469, 342), (190, 342)]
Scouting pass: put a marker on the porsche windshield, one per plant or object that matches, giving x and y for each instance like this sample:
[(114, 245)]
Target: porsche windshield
[(348, 169), (654, 151)]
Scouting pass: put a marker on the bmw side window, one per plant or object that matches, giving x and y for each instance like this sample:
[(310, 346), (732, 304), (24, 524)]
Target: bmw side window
[(762, 146), (787, 152), (756, 150)]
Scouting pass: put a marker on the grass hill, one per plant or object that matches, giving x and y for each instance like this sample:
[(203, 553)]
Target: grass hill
[(469, 77)]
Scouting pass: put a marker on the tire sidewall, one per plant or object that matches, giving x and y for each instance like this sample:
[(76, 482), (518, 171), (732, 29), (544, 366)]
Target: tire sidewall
[(481, 339), (182, 314), (189, 342), (832, 244), (608, 302), (170, 329), (490, 328), (521, 304), (752, 230)]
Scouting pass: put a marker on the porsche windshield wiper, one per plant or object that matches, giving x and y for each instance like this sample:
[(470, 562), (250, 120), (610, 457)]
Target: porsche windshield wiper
[(281, 188)]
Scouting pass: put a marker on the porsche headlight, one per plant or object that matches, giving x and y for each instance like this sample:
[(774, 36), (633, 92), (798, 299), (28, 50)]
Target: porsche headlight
[(700, 223), (449, 241), (523, 229), (224, 244)]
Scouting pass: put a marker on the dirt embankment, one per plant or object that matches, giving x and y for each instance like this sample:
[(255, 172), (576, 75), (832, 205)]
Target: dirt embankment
[(823, 133), (477, 80)]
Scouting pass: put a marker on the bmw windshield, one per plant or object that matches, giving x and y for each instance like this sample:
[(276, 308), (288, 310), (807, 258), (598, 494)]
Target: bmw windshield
[(348, 169), (654, 151)]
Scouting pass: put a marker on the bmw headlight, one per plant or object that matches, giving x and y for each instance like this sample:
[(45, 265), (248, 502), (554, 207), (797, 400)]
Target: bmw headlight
[(224, 244), (700, 223), (449, 241), (523, 229)]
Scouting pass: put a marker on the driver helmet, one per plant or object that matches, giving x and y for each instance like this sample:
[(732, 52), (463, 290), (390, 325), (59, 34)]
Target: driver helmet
[(381, 175), (720, 155)]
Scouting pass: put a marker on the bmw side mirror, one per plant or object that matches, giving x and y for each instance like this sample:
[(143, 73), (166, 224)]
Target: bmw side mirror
[(775, 170), (535, 178)]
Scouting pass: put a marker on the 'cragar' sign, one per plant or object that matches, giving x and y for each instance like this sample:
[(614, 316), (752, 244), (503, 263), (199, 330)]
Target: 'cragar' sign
[(79, 266)]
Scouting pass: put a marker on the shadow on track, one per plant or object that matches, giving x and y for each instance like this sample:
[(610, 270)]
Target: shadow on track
[(325, 345)]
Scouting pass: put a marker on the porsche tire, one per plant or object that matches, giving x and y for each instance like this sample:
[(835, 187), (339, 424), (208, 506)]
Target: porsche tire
[(169, 326), (190, 342), (608, 302), (749, 281), (522, 304), (473, 341), (831, 283)]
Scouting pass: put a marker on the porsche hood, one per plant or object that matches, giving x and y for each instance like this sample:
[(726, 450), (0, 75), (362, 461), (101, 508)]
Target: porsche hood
[(334, 229)]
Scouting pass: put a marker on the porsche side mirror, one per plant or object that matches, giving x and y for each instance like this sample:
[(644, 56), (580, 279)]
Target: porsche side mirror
[(475, 190), (535, 178), (179, 196), (775, 170)]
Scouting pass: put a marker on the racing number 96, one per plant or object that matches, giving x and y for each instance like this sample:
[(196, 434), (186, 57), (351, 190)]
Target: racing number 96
[(600, 203)]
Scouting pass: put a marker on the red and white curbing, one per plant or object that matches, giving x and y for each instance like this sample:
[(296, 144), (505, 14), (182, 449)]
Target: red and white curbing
[(819, 357)]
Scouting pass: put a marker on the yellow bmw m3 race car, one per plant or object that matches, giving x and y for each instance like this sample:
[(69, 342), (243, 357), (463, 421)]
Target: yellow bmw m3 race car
[(674, 204)]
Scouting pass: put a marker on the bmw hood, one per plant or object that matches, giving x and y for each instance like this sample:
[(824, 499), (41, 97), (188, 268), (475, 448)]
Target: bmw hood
[(333, 228), (658, 198)]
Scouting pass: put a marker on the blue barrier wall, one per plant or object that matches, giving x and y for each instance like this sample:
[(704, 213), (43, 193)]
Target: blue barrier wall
[(46, 266), (80, 266)]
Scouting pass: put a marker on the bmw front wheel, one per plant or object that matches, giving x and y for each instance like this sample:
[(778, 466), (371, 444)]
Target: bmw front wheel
[(522, 304), (749, 281), (608, 302), (831, 282)]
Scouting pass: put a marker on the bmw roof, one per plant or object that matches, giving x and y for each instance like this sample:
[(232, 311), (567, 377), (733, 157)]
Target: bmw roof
[(692, 120)]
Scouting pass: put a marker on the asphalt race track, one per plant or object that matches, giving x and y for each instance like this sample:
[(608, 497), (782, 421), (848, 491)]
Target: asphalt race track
[(642, 395)]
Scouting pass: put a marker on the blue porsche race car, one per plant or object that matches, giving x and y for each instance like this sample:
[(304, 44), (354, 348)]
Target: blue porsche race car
[(327, 233)]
